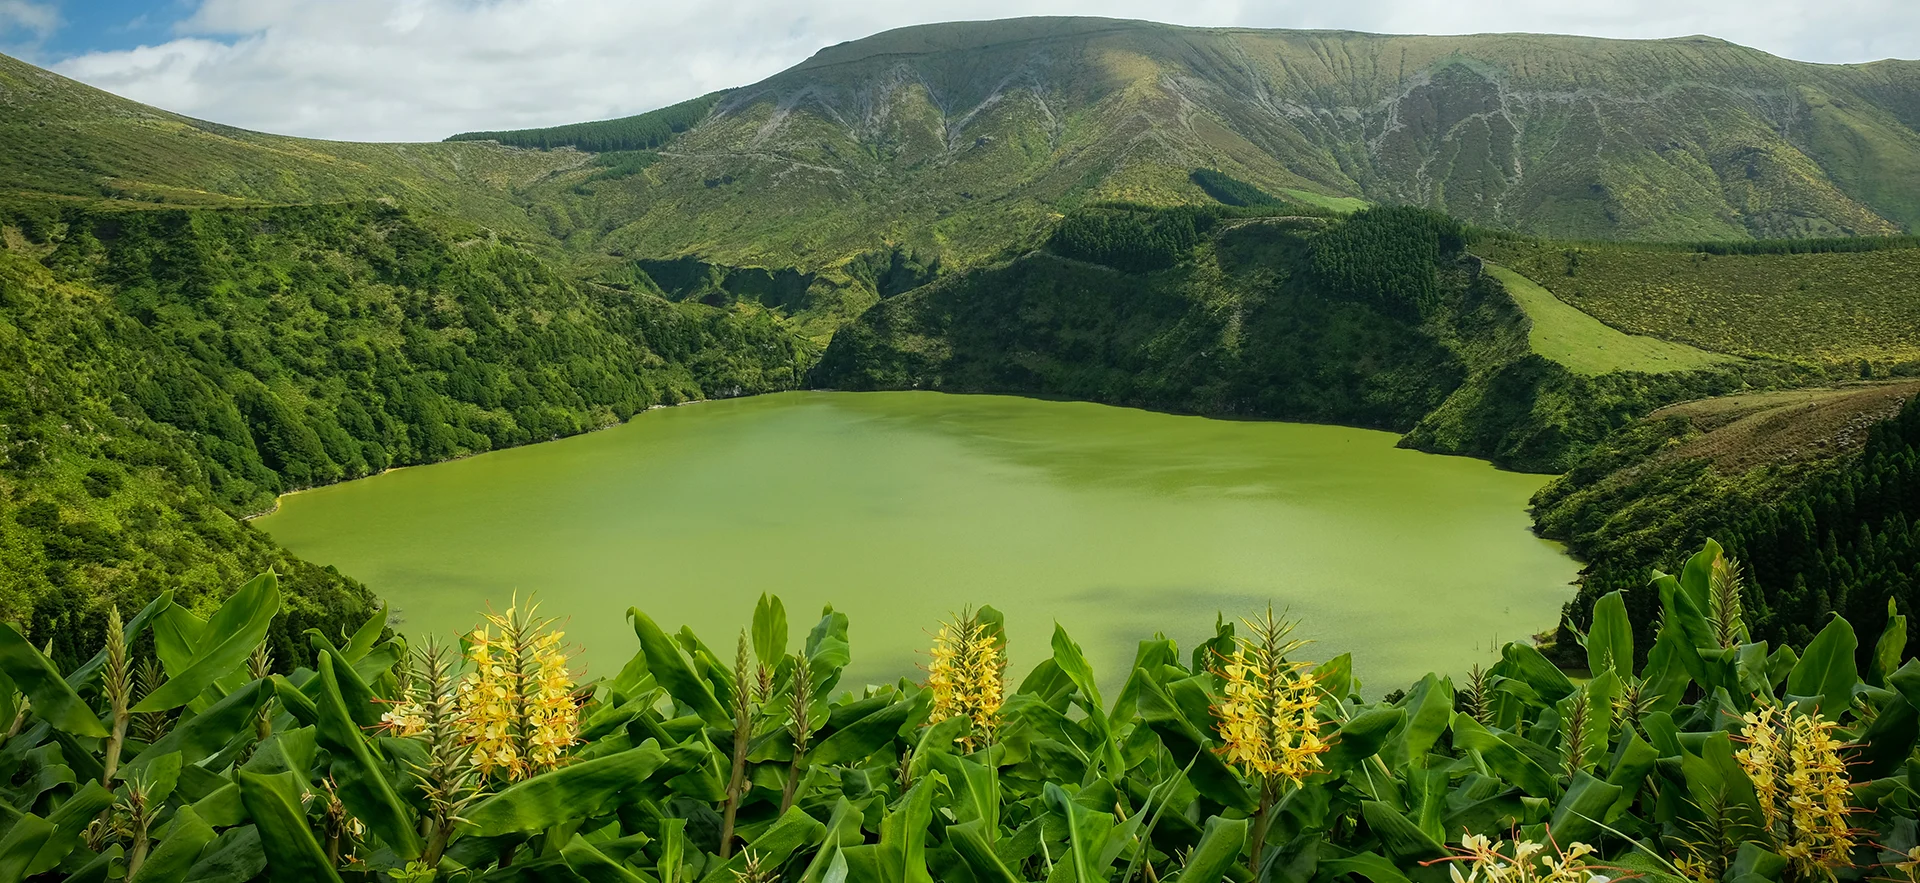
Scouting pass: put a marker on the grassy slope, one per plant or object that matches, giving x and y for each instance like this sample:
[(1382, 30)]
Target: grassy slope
[(965, 139), (1586, 345), (1833, 308), (1243, 329)]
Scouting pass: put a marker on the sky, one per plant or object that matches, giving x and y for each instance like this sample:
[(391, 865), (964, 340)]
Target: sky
[(419, 70)]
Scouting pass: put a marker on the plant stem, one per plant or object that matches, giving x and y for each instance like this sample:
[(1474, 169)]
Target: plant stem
[(1260, 822), (742, 731)]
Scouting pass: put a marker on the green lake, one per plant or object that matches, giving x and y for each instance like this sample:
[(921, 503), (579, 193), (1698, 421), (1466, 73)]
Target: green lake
[(900, 508)]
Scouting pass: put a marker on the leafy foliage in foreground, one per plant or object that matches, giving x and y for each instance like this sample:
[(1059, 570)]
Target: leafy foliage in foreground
[(1719, 759)]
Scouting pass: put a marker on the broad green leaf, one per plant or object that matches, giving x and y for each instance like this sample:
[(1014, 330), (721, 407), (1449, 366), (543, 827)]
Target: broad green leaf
[(675, 674), (363, 787), (1826, 671), (570, 792), (1696, 577), (362, 705), (1505, 760), (769, 629), (52, 699), (236, 856), (902, 852), (1191, 749), (23, 842), (292, 852), (976, 794), (791, 832), (593, 865), (1361, 737), (1891, 646), (230, 637), (859, 740), (364, 637), (1429, 708), (1581, 811), (1371, 865), (178, 850), (1073, 663), (1610, 640), (970, 841), (70, 822), (1403, 840), (1527, 665), (1681, 612), (176, 637), (843, 829), (1218, 850), (208, 733), (1335, 677), (1087, 833), (296, 702)]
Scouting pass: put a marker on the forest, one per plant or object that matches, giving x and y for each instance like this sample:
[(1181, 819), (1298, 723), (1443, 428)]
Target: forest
[(645, 131), (169, 372)]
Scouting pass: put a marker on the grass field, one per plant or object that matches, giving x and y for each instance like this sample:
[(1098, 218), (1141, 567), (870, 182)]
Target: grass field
[(1336, 203), (1586, 345), (1831, 308)]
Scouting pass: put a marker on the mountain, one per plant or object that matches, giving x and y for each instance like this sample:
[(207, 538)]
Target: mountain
[(960, 139)]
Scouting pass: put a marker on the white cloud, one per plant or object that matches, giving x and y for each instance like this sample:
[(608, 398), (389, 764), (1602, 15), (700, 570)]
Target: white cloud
[(38, 19), (423, 69)]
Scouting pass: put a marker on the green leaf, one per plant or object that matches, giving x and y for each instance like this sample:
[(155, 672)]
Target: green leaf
[(571, 792), (792, 831), (902, 852), (1891, 646), (178, 850), (24, 841), (1577, 817), (363, 788), (1403, 840), (176, 637), (364, 637), (1524, 663), (209, 732), (970, 841), (1335, 677), (672, 670), (1219, 848), (976, 794), (296, 703), (1191, 749), (1429, 708), (1361, 737), (274, 803), (52, 699), (232, 633), (593, 865), (1610, 640), (1087, 832), (769, 629), (1504, 759), (859, 740), (1826, 671), (69, 825), (1073, 663)]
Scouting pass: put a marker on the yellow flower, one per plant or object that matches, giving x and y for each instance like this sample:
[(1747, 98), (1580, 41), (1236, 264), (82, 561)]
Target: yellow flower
[(1801, 781), (517, 707), (1522, 861), (1268, 716), (968, 673)]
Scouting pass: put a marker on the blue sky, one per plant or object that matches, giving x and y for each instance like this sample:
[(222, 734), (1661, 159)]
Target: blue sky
[(423, 69)]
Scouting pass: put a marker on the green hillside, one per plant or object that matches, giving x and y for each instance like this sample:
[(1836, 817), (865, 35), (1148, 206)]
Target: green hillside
[(1585, 345), (168, 371), (1377, 320), (962, 138), (1838, 307)]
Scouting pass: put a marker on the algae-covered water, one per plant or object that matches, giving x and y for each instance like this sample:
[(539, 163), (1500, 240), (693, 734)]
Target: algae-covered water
[(900, 508)]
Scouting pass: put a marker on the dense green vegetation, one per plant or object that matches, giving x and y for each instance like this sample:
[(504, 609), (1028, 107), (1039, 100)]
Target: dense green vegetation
[(1376, 320), (169, 371), (1230, 190), (1817, 534), (1829, 306), (1586, 345), (1719, 758), (639, 132), (1129, 238)]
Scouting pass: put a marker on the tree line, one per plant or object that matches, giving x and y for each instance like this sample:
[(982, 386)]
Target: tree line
[(645, 131)]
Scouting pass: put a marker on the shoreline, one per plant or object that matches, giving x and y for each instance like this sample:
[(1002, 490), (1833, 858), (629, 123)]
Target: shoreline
[(249, 517)]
